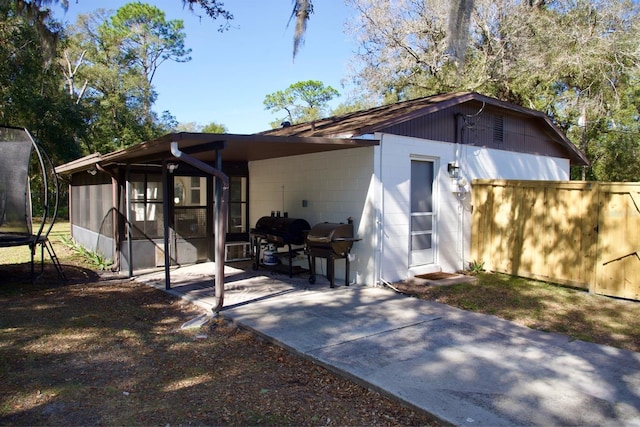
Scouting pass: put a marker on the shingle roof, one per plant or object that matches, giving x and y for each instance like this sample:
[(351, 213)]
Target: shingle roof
[(366, 122)]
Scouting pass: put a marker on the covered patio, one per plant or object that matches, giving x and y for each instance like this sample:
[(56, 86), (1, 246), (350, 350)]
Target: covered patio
[(178, 200)]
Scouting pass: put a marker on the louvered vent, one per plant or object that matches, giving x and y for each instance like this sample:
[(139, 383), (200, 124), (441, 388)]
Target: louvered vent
[(498, 129)]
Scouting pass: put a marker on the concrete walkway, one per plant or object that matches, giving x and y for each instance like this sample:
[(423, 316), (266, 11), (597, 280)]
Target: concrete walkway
[(465, 368)]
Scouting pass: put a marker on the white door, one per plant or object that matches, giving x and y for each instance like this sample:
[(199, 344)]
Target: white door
[(423, 219)]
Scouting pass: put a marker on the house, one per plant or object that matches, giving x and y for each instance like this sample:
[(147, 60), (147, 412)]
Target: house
[(402, 172)]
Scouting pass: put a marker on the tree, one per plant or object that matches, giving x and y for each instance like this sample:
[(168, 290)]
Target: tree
[(31, 95), (146, 40), (114, 58), (214, 127), (576, 61), (38, 12), (302, 101)]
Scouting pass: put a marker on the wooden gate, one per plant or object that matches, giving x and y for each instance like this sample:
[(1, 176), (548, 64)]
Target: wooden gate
[(582, 234)]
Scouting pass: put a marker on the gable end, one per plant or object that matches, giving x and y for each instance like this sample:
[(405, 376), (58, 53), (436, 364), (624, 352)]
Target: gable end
[(486, 126)]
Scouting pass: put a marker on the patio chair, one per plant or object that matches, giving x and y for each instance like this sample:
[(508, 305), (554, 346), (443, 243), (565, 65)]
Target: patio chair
[(17, 226)]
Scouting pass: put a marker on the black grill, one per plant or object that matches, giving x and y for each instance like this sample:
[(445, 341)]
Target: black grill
[(279, 232), (330, 241)]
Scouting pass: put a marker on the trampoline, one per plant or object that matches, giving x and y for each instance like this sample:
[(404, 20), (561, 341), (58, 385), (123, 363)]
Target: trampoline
[(17, 225)]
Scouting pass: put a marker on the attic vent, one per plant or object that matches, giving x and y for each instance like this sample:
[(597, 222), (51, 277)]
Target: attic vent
[(498, 129)]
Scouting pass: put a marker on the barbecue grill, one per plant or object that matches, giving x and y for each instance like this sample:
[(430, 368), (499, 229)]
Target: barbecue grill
[(272, 232), (330, 241)]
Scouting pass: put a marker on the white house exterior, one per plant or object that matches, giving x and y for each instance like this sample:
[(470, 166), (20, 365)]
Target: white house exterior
[(402, 172), (372, 185)]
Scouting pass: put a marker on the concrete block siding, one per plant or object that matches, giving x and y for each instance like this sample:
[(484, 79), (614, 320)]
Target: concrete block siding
[(335, 185), (372, 185), (452, 210)]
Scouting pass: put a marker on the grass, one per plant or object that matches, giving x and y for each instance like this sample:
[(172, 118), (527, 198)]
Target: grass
[(22, 254), (544, 306), (111, 352)]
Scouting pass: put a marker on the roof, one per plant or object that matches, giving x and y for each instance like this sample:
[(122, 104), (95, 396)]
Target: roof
[(233, 148), (334, 133), (377, 119)]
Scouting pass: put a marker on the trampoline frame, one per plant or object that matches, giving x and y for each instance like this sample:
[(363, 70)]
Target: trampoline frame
[(49, 211)]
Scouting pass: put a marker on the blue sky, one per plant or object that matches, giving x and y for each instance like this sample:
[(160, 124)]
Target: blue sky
[(230, 73)]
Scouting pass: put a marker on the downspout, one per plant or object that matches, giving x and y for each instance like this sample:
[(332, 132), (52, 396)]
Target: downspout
[(221, 231), (167, 226), (380, 222), (459, 121)]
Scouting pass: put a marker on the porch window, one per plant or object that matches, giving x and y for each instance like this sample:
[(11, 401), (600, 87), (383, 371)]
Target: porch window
[(146, 214), (237, 205)]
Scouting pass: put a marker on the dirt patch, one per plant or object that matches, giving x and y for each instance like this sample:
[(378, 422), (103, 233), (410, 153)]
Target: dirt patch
[(112, 353), (437, 276)]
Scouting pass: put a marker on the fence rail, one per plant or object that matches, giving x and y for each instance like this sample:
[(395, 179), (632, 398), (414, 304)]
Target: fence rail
[(582, 234)]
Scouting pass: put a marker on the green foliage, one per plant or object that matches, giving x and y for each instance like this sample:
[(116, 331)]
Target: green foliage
[(575, 61), (302, 101), (214, 127), (94, 258), (476, 267), (351, 107), (118, 57), (30, 92)]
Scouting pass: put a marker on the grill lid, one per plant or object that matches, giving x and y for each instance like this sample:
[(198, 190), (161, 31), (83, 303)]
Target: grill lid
[(330, 238), (328, 232), (282, 229)]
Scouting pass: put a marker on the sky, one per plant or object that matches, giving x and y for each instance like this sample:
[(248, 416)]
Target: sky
[(231, 72)]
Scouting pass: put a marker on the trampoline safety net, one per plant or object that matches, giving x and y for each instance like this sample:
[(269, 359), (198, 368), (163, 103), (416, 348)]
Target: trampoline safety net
[(15, 198)]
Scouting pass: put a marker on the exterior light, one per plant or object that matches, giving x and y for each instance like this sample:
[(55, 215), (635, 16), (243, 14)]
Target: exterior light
[(453, 169)]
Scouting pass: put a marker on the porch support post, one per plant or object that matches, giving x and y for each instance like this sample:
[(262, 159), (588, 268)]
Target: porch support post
[(218, 253), (221, 209), (128, 218)]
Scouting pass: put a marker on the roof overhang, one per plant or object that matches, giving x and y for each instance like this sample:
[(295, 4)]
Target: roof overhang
[(378, 119), (205, 146)]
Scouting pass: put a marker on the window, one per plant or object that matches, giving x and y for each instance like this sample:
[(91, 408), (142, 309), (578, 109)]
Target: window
[(146, 213), (237, 205), (195, 190)]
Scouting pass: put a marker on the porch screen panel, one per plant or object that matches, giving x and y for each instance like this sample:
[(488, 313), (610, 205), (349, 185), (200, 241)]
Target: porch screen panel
[(422, 213), (91, 207), (190, 210), (191, 221)]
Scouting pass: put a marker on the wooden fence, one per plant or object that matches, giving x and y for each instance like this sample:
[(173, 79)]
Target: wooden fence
[(582, 234)]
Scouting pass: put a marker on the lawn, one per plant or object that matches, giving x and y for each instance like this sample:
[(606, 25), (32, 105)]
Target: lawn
[(543, 306), (111, 352)]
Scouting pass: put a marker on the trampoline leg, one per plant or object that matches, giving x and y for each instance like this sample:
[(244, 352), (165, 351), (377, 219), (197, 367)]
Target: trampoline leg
[(33, 254)]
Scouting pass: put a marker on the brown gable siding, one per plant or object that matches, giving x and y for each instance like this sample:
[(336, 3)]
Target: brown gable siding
[(438, 126), (482, 127)]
